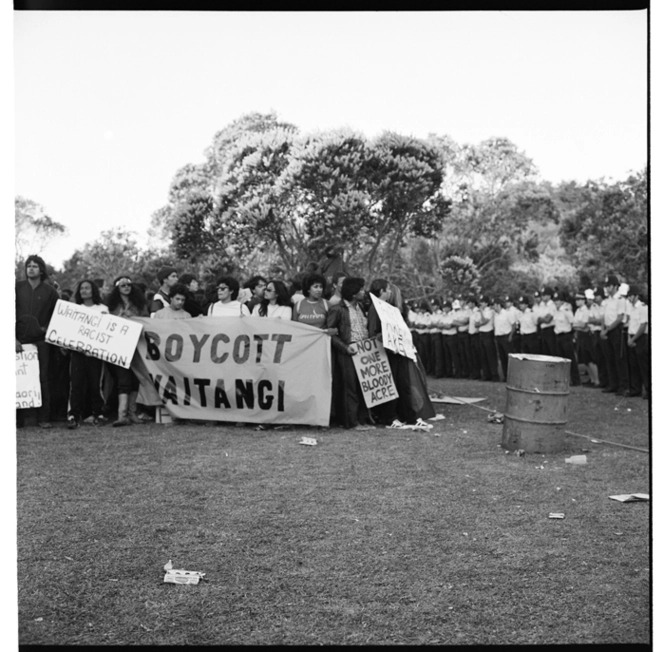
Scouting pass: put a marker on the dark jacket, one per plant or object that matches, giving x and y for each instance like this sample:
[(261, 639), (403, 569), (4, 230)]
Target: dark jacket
[(33, 310), (338, 317)]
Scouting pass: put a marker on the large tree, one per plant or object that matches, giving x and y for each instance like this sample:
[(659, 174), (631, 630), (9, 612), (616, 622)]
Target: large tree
[(33, 229), (606, 228)]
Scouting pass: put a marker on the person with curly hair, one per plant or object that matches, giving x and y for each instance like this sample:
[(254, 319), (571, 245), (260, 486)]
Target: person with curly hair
[(227, 305), (276, 302), (126, 300), (85, 395)]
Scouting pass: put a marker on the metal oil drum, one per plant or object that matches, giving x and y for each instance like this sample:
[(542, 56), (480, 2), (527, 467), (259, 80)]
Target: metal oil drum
[(536, 410)]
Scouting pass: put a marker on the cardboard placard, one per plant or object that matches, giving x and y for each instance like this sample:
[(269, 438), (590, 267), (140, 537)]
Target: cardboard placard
[(28, 388), (107, 337), (373, 370), (396, 334)]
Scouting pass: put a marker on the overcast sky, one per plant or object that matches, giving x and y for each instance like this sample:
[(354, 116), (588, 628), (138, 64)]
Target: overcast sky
[(108, 105)]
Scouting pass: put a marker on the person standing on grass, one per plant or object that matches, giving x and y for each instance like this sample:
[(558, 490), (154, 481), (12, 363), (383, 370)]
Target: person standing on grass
[(348, 406), (611, 338), (127, 301), (167, 277), (545, 311), (582, 335), (227, 305), (638, 349), (35, 302), (487, 344), (504, 327), (528, 327), (563, 318), (175, 309), (85, 394)]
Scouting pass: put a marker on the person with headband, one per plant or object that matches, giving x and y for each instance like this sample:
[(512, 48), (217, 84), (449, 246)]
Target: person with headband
[(127, 301)]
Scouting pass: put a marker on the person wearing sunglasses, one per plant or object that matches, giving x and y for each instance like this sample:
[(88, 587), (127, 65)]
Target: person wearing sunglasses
[(227, 304), (276, 302)]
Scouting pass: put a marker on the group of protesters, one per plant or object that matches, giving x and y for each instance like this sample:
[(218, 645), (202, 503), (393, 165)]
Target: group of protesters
[(604, 328), (338, 306)]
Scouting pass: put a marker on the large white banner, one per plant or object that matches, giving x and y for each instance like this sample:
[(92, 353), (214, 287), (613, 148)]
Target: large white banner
[(247, 369), (28, 389), (374, 373), (107, 337), (396, 334)]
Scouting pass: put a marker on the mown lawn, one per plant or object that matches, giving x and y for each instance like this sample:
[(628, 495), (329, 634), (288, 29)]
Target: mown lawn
[(381, 537)]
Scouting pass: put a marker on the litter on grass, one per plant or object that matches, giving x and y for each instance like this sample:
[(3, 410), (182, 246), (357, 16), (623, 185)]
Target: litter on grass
[(576, 459), (631, 498), (556, 515), (496, 417), (180, 576), (308, 441), (453, 400)]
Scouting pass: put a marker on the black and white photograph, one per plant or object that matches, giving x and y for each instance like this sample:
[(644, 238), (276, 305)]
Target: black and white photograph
[(331, 327)]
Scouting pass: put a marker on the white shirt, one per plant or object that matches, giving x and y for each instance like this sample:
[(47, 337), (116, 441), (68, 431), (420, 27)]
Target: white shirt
[(581, 317), (274, 311), (503, 321), (638, 314), (542, 309), (527, 322), (446, 321), (614, 307), (562, 320), (229, 309), (487, 313)]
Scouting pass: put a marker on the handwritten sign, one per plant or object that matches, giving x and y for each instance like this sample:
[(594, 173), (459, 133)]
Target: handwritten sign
[(373, 370), (396, 334), (28, 388), (247, 369), (107, 337)]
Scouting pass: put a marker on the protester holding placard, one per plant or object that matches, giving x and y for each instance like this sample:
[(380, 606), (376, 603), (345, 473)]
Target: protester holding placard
[(348, 406), (35, 302), (85, 395), (126, 300)]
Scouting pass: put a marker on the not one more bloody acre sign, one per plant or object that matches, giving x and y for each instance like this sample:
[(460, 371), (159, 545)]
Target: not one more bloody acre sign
[(373, 370)]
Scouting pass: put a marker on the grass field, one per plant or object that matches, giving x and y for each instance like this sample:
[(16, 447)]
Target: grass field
[(380, 537)]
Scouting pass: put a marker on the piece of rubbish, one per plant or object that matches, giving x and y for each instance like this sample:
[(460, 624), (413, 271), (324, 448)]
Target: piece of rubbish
[(576, 459), (631, 498), (180, 576), (520, 452), (556, 515), (308, 441), (453, 400), (496, 417), (595, 441)]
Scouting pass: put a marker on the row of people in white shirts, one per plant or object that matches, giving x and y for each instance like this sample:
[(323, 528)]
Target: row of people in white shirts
[(591, 315)]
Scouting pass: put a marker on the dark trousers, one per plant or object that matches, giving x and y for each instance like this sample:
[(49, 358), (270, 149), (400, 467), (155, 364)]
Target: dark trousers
[(84, 393), (489, 356), (547, 341), (616, 360), (464, 354), (475, 370), (565, 349), (642, 350), (504, 347), (438, 355), (125, 378), (530, 343), (451, 351), (427, 356), (599, 358)]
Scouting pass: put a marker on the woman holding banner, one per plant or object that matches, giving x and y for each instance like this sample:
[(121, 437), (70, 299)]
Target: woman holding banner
[(413, 404), (126, 300), (85, 395), (348, 406)]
